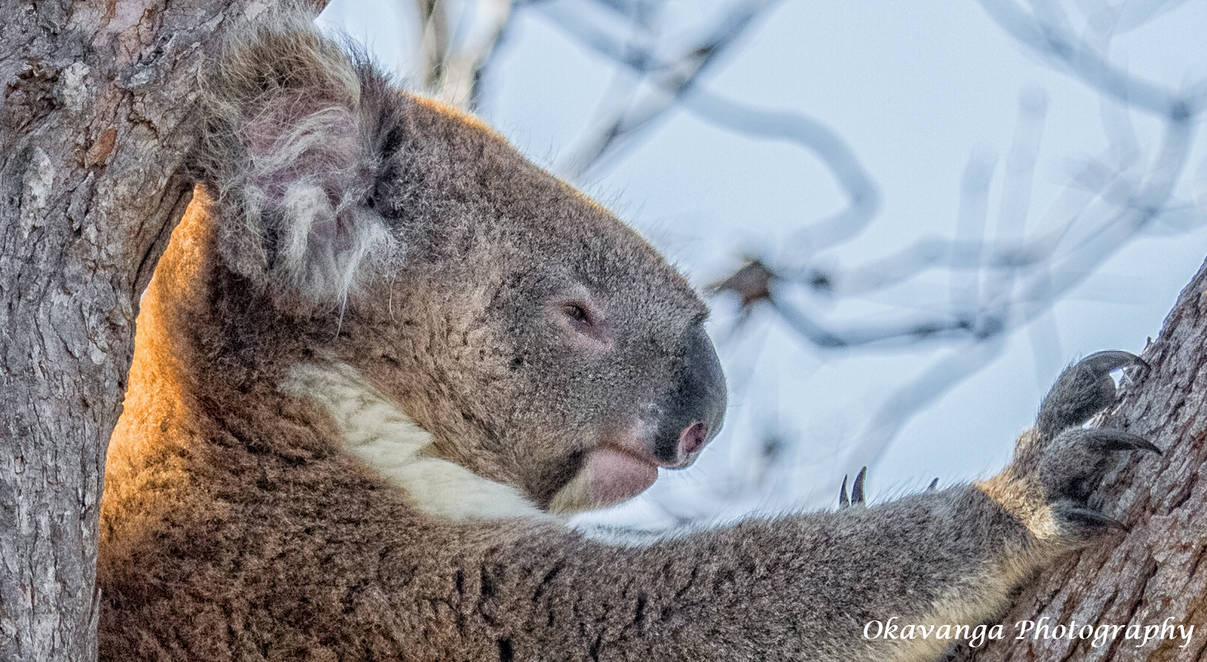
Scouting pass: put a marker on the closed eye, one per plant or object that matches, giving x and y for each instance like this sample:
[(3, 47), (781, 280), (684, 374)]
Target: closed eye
[(585, 320), (577, 313)]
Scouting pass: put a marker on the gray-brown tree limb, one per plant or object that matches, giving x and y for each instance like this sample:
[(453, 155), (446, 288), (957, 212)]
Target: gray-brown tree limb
[(1156, 571), (95, 124)]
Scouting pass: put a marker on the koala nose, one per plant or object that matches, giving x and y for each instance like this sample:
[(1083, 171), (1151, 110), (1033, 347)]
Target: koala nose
[(692, 439), (695, 406)]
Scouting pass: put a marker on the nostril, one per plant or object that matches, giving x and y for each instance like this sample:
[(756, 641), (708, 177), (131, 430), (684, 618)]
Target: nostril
[(692, 438)]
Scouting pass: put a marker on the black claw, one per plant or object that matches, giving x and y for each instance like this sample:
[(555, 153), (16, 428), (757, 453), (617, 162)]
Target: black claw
[(1094, 519), (1118, 440), (857, 488), (1104, 362), (843, 500), (933, 484)]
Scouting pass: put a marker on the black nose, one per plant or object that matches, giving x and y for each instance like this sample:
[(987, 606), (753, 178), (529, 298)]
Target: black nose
[(695, 406)]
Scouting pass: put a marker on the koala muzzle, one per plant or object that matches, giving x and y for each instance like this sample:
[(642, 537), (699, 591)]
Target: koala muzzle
[(684, 417)]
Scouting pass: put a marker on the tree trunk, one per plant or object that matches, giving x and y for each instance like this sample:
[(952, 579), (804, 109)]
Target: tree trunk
[(95, 124), (1157, 570)]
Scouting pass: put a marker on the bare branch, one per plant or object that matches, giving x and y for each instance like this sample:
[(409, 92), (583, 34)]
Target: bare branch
[(1091, 67)]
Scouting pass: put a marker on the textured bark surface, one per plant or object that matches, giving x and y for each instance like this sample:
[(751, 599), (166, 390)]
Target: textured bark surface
[(95, 123), (1158, 569)]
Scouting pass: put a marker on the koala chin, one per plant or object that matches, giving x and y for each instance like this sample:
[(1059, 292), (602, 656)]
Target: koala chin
[(384, 354)]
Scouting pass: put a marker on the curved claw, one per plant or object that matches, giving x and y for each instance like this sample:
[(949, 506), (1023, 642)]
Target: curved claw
[(844, 501), (1110, 360), (857, 496), (1118, 440), (1093, 519), (933, 484)]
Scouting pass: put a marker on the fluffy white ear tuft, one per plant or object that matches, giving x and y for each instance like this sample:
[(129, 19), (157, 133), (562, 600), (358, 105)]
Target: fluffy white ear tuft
[(291, 120)]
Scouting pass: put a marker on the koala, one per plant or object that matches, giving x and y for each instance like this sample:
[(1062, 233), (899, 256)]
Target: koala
[(384, 357)]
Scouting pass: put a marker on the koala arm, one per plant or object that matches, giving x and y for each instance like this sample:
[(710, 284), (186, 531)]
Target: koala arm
[(797, 587), (805, 586)]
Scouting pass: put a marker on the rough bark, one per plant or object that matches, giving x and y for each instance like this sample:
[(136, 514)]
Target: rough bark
[(1157, 570), (96, 120)]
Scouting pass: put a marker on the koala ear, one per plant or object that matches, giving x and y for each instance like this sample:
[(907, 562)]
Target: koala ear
[(291, 129)]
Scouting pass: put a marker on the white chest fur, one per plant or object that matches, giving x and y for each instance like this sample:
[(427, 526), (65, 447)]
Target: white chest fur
[(377, 432)]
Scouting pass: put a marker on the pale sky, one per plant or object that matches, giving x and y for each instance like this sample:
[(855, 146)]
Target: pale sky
[(916, 89)]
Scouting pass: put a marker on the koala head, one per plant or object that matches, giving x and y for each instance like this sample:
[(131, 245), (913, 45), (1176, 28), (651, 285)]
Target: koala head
[(540, 341)]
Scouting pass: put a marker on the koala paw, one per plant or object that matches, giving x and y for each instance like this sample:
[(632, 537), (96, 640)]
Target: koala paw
[(1058, 464)]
